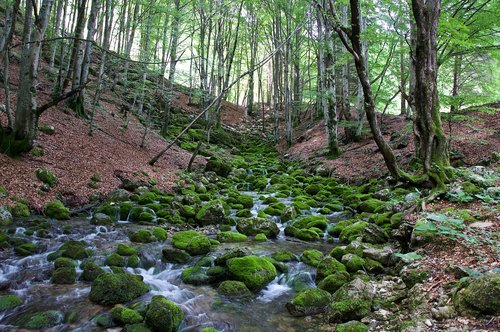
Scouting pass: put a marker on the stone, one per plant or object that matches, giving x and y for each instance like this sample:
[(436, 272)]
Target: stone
[(334, 281), (352, 301), (231, 237), (163, 315), (328, 266), (110, 289), (311, 257), (8, 302), (256, 225), (213, 212), (101, 219), (124, 316), (309, 302), (382, 255), (64, 275), (193, 242), (255, 272), (46, 176), (40, 320), (353, 263), (5, 216), (352, 326), (232, 288), (482, 294), (56, 210), (219, 166), (374, 234), (173, 255)]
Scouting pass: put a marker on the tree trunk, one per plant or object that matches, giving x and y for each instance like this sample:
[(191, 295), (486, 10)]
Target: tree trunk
[(457, 67), (431, 144), (345, 109)]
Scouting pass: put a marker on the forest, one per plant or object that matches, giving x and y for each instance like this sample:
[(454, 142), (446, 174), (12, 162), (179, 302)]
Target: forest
[(243, 165)]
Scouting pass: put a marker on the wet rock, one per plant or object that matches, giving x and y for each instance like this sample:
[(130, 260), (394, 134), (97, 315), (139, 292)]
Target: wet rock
[(253, 271), (124, 316), (213, 212), (119, 195), (352, 326), (64, 275), (74, 250), (256, 225), (353, 262), (163, 315), (309, 302), (334, 281), (125, 250), (90, 271), (56, 210), (328, 266), (232, 288), (40, 320), (142, 236), (110, 289), (193, 242), (352, 301), (5, 216), (8, 302), (283, 255), (231, 237), (173, 255), (101, 219), (221, 260)]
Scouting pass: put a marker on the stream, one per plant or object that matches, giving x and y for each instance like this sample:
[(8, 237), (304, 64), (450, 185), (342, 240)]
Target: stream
[(29, 278)]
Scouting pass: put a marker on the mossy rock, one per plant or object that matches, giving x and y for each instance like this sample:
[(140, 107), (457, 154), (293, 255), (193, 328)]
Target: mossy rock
[(56, 210), (147, 197), (213, 212), (311, 221), (64, 275), (338, 252), (142, 236), (232, 288), (334, 281), (245, 213), (302, 234), (163, 315), (351, 232), (133, 261), (371, 205), (254, 271), (139, 327), (90, 271), (64, 262), (21, 210), (159, 233), (481, 295), (309, 302), (328, 266), (187, 211), (283, 255), (353, 263), (256, 225), (25, 249), (110, 289), (74, 250), (173, 255), (124, 316), (411, 277), (125, 250), (313, 189), (209, 329), (219, 166), (311, 257), (224, 237), (470, 188), (352, 326), (196, 275), (46, 176), (10, 301), (115, 260), (352, 301), (245, 200), (193, 242), (39, 320), (260, 237)]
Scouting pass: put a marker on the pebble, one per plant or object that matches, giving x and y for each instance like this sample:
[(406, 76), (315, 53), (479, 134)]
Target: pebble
[(428, 322)]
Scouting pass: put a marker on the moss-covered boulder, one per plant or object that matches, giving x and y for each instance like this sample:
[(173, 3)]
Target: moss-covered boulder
[(213, 212), (481, 295), (123, 315), (46, 176), (352, 301), (163, 315), (10, 301), (309, 302), (173, 255), (232, 288), (139, 327), (74, 250), (255, 272), (311, 221), (302, 234), (219, 166), (110, 289), (196, 275), (260, 237), (21, 210), (328, 266), (245, 200), (90, 271), (56, 210), (256, 225), (142, 236), (311, 257), (115, 260), (351, 232), (25, 249), (193, 242), (373, 233), (352, 326), (334, 281), (371, 205), (39, 320), (101, 219), (64, 275), (353, 263), (231, 237), (159, 233), (5, 216), (283, 255), (125, 250)]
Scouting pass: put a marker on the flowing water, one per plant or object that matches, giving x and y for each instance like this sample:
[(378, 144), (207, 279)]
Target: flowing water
[(29, 278)]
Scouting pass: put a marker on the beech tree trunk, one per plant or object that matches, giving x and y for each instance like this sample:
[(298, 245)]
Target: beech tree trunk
[(431, 143)]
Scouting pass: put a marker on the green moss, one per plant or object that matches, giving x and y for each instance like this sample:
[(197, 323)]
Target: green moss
[(90, 271), (313, 189), (246, 213), (334, 281), (470, 188), (64, 275), (351, 232), (74, 250), (46, 176), (256, 225), (25, 249), (352, 326), (39, 320), (219, 166), (353, 263), (337, 253), (163, 315), (21, 210), (233, 288), (142, 236), (8, 302), (125, 250), (193, 242), (283, 256), (209, 329), (308, 302), (159, 233), (255, 272), (311, 221), (231, 237), (302, 234), (147, 197), (64, 262), (311, 257), (483, 294), (246, 201), (115, 260), (328, 266), (124, 316), (56, 210), (110, 289), (213, 212), (371, 205), (260, 237)]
